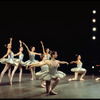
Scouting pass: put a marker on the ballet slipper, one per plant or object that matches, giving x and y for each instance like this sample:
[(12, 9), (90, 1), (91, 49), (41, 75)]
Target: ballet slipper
[(81, 79), (42, 86), (32, 79), (53, 93), (70, 79), (73, 79), (97, 79)]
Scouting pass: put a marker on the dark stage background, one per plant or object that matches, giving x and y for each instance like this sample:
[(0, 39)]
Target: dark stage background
[(64, 26)]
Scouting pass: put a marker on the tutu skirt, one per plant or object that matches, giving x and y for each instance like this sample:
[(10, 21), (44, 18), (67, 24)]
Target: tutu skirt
[(78, 70), (43, 70), (48, 76), (11, 61)]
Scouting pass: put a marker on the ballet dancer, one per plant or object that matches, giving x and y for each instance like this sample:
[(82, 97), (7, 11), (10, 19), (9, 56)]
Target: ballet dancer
[(47, 51), (32, 54), (45, 56), (78, 69), (19, 61), (44, 68), (8, 61), (52, 74)]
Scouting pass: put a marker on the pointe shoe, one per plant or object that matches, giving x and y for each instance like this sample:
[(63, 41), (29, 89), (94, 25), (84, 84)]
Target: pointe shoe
[(42, 86), (73, 79), (31, 79), (70, 79), (97, 79), (81, 79), (53, 93)]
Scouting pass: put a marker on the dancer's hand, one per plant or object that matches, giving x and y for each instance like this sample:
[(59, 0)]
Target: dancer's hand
[(27, 67), (67, 63), (41, 42), (11, 39), (20, 41)]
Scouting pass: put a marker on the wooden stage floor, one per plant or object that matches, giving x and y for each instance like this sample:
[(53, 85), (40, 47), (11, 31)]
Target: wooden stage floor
[(88, 89)]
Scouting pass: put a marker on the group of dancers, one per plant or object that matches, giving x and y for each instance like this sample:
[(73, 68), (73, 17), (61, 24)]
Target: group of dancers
[(48, 64)]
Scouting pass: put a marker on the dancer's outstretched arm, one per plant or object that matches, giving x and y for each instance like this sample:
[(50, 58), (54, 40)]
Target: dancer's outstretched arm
[(42, 47), (63, 62), (26, 47), (73, 62), (38, 64), (37, 53)]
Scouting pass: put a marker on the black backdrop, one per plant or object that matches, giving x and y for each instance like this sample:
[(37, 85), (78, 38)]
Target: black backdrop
[(64, 26)]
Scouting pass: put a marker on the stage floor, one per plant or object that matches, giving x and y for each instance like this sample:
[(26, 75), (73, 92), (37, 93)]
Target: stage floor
[(89, 88)]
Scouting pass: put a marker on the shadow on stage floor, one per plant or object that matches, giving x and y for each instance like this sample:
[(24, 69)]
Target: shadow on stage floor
[(87, 89)]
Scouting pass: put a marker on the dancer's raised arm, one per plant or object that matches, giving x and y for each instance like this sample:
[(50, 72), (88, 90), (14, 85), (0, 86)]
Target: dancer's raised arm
[(17, 54), (26, 47), (10, 41), (42, 47)]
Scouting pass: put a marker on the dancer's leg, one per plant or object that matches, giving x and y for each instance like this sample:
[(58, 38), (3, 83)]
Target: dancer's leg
[(20, 73), (33, 73), (81, 78), (9, 72), (42, 83), (54, 85), (3, 72), (48, 83), (13, 72)]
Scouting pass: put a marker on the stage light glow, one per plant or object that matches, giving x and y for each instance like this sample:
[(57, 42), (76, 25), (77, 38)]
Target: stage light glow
[(94, 37), (93, 20), (92, 67), (94, 11), (94, 28)]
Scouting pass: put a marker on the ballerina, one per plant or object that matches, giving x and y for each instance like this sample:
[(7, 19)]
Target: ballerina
[(20, 63), (47, 51), (52, 73), (32, 59), (8, 61), (78, 70), (45, 56), (44, 68)]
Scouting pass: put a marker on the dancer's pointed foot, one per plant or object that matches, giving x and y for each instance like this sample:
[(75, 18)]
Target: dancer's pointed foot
[(42, 86), (81, 79), (53, 93), (97, 79), (32, 79), (73, 79)]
